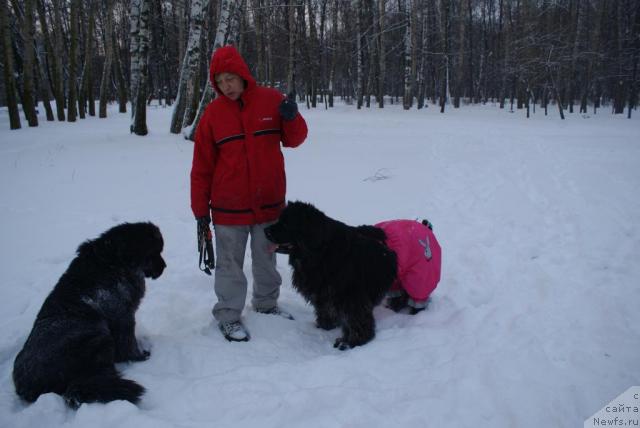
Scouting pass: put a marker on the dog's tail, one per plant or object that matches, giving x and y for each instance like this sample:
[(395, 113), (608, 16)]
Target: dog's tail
[(102, 388)]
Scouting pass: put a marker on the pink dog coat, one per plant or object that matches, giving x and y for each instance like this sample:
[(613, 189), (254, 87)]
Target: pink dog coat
[(419, 259)]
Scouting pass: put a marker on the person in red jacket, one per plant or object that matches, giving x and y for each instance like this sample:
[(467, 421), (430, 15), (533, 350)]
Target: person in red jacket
[(238, 178)]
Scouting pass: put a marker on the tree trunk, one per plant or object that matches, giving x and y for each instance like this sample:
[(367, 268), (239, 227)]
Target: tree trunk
[(73, 61), (506, 41), (141, 58), (323, 53), (82, 35), (424, 46), (372, 42), (633, 91), (357, 8), (45, 89), (189, 67), (291, 88), (334, 53), (446, 21), (134, 50), (471, 91), (460, 66), (54, 58), (105, 81), (382, 65), (258, 13), (180, 14), (270, 57), (29, 99), (207, 95), (8, 71), (619, 87), (312, 52), (86, 85), (407, 97), (59, 53), (161, 52), (117, 67)]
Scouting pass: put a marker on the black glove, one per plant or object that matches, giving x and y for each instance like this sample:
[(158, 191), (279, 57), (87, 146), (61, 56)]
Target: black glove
[(205, 245), (288, 107)]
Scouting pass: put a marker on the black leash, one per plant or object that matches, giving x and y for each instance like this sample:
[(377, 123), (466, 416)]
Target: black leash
[(205, 248)]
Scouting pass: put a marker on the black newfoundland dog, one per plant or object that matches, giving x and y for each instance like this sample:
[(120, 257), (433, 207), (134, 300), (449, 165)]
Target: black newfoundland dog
[(343, 271), (87, 323)]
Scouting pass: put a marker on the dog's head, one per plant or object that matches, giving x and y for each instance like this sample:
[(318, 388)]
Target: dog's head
[(301, 225), (136, 246)]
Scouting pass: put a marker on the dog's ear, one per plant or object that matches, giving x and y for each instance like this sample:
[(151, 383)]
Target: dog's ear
[(102, 247), (87, 247), (319, 230)]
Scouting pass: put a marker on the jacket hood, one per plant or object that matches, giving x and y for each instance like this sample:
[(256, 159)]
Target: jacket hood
[(228, 60)]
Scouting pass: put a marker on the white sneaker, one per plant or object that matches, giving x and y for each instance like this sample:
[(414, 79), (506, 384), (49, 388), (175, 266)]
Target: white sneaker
[(234, 331), (276, 311)]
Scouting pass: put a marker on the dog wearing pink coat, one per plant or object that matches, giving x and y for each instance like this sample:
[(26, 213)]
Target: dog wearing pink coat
[(419, 263)]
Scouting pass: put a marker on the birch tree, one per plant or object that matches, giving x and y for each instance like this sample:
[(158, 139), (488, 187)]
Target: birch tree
[(422, 69), (407, 99), (140, 10), (134, 49), (207, 95), (189, 66), (485, 50)]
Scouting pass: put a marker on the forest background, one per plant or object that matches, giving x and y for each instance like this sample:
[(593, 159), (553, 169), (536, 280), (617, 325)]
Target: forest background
[(70, 55)]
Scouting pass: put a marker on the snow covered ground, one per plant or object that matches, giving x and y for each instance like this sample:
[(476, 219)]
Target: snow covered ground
[(536, 322)]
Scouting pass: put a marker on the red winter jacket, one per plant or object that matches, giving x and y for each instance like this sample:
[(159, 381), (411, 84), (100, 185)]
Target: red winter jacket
[(238, 167)]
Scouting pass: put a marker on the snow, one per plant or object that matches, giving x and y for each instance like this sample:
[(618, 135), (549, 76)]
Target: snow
[(535, 322)]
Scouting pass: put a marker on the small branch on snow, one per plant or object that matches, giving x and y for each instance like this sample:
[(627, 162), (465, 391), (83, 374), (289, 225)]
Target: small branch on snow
[(380, 174)]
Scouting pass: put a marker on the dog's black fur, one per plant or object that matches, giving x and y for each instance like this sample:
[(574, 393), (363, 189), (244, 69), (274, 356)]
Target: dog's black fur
[(87, 323), (343, 271)]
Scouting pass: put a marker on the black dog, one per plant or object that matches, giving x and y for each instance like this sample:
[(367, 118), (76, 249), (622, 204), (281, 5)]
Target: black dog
[(87, 323), (343, 271)]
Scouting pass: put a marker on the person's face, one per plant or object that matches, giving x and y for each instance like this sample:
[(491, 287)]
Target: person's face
[(230, 84)]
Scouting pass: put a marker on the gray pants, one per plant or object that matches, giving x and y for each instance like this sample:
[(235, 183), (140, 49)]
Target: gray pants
[(230, 281)]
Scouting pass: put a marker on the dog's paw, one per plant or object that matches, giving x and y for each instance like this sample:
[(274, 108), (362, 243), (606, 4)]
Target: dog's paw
[(72, 402), (341, 344), (413, 311), (396, 304)]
